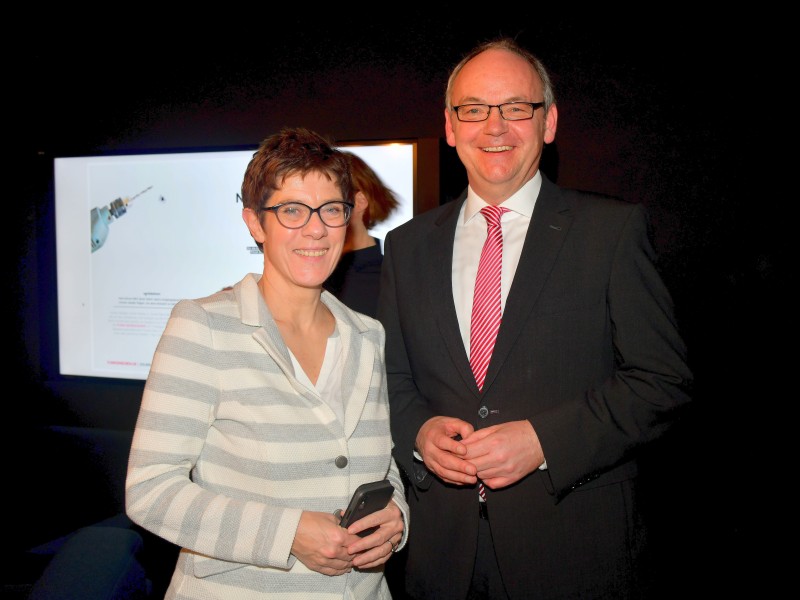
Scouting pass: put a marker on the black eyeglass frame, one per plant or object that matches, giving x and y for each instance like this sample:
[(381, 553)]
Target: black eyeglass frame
[(349, 212), (533, 105)]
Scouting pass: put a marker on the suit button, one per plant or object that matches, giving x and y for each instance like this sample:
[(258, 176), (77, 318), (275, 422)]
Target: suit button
[(483, 412), (341, 461)]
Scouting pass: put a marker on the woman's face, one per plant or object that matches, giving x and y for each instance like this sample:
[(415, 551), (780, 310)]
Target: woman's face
[(306, 256)]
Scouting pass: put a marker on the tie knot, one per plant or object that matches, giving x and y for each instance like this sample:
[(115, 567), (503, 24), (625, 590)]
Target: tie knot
[(492, 214)]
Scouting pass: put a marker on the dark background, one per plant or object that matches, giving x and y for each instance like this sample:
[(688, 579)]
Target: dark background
[(660, 110)]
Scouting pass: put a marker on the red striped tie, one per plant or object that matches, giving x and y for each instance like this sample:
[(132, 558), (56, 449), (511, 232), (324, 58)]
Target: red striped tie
[(486, 307), (486, 303)]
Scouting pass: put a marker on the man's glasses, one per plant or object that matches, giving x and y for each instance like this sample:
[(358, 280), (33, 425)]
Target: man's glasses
[(294, 215), (510, 111)]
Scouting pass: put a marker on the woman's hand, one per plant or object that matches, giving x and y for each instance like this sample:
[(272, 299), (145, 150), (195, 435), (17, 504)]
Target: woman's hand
[(376, 548), (322, 546)]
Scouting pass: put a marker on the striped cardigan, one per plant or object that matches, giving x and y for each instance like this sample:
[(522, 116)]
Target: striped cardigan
[(229, 449)]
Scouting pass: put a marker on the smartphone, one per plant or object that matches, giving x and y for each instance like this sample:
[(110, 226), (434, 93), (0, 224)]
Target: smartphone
[(368, 498)]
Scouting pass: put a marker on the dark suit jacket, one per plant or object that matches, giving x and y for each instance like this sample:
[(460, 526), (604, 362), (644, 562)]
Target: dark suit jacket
[(588, 351)]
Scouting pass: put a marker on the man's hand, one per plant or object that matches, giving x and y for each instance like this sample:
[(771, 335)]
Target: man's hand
[(443, 455), (505, 453)]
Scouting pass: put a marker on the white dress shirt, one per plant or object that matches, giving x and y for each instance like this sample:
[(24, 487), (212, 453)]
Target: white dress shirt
[(329, 380), (469, 240)]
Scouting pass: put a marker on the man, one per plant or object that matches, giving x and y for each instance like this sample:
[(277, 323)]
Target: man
[(587, 368)]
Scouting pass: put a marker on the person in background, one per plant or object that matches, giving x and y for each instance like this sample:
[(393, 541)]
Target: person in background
[(524, 472), (356, 279), (266, 406)]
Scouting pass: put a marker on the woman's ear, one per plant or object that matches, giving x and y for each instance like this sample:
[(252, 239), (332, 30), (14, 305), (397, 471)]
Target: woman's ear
[(361, 202), (253, 223)]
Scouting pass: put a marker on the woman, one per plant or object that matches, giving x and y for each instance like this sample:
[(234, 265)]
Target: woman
[(266, 406), (356, 279)]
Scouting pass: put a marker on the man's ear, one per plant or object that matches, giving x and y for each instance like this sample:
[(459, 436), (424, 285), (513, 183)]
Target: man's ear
[(250, 217), (550, 123), (450, 136)]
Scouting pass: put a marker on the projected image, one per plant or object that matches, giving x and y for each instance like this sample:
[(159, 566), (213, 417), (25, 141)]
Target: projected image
[(101, 218), (150, 220)]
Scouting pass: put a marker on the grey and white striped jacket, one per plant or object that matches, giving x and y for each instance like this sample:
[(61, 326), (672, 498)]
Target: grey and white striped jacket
[(229, 449)]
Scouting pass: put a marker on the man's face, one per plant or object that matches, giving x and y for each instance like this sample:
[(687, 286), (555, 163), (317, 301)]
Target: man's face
[(500, 156)]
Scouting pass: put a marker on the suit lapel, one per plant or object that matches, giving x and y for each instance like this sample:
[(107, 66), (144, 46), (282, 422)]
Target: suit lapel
[(438, 269), (359, 366), (548, 229), (357, 370)]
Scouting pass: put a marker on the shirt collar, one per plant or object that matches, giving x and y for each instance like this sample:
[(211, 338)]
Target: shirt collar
[(521, 201)]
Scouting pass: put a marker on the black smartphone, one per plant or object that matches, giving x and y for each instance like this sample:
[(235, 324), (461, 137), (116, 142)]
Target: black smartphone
[(368, 498)]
